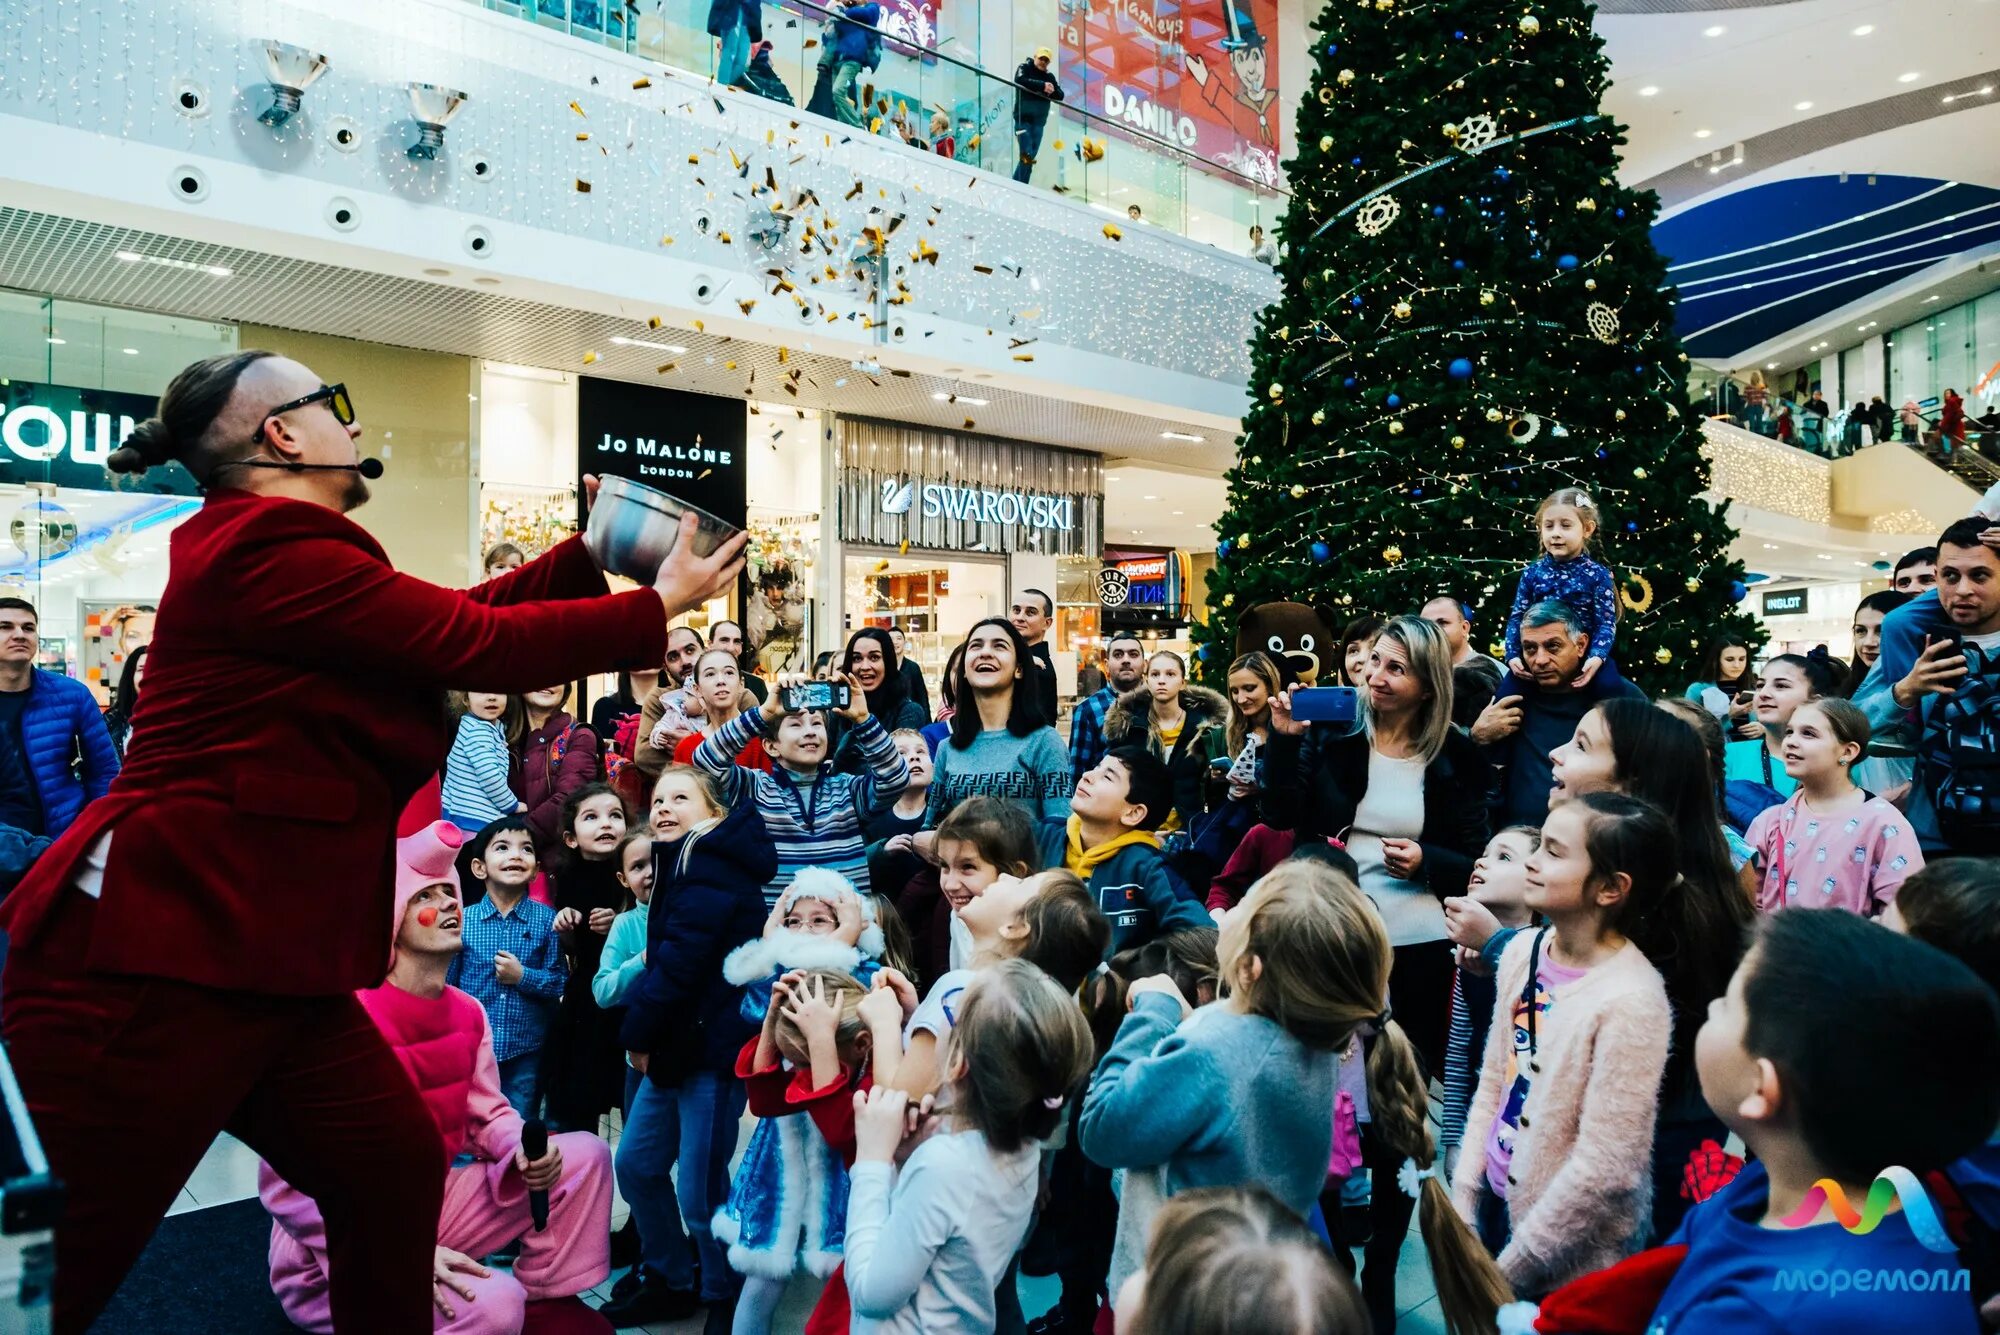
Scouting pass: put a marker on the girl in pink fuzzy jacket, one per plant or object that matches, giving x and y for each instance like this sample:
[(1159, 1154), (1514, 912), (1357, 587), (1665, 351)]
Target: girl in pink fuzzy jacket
[(1556, 1174)]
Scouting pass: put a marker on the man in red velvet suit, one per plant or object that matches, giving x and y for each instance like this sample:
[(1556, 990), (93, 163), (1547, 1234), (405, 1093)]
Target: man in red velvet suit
[(185, 957)]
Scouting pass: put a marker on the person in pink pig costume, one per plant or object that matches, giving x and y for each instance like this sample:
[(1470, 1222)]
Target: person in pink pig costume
[(441, 1036)]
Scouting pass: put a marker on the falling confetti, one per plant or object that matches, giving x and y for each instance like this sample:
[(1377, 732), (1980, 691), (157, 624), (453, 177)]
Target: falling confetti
[(582, 186), (577, 107), (582, 135), (1024, 356), (589, 358), (642, 82), (653, 322), (968, 424), (1111, 231), (748, 305), (699, 327), (666, 367), (902, 549)]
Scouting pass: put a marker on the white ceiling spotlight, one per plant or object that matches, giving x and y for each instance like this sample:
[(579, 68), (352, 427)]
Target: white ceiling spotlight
[(1801, 106), (623, 342), (1908, 76), (1182, 435), (1650, 90), (1703, 134), (1864, 30), (1715, 31)]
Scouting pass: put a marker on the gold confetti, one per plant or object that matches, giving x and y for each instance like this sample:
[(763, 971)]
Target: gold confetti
[(735, 161), (882, 565), (589, 357), (642, 82), (968, 424), (811, 42), (703, 473), (790, 389), (972, 143), (784, 355), (875, 126), (723, 237), (1093, 150), (770, 137), (748, 305), (729, 366), (982, 268), (850, 195), (1111, 231), (1024, 356), (582, 186), (666, 241), (694, 159), (902, 549), (577, 107), (1019, 342), (653, 322), (582, 135), (925, 253), (666, 367), (699, 326)]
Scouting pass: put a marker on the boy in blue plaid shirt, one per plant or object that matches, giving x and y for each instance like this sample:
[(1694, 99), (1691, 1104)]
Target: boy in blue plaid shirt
[(512, 959)]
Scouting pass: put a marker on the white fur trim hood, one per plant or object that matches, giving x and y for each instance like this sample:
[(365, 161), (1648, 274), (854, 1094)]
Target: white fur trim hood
[(754, 960)]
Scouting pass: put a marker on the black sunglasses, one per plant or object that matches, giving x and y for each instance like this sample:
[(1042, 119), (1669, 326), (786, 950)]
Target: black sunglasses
[(333, 396)]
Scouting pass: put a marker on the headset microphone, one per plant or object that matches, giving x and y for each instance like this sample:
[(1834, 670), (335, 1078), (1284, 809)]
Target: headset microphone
[(368, 468)]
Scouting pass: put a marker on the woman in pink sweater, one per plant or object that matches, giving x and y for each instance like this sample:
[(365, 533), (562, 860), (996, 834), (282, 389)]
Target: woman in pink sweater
[(1556, 1174)]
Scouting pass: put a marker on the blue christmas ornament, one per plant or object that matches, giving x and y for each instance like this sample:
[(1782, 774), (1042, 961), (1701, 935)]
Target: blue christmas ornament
[(1356, 303), (1458, 36), (1621, 213), (1222, 548), (1565, 261), (1501, 173), (1738, 590), (1348, 383), (1202, 653), (1460, 368), (1332, 47), (1437, 210), (1356, 161), (1535, 255), (1601, 452), (1458, 265), (1394, 401), (1322, 553), (1631, 526)]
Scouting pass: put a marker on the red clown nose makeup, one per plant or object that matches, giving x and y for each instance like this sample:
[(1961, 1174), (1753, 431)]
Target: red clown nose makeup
[(426, 917)]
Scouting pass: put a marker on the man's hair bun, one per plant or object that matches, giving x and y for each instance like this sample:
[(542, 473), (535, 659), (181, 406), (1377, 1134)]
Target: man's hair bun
[(150, 445)]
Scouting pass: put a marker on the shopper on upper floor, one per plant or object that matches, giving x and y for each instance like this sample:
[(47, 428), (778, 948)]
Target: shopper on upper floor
[(1881, 419), (1035, 86), (1518, 732), (1031, 614), (857, 45), (1262, 248), (1951, 419), (47, 722), (999, 744)]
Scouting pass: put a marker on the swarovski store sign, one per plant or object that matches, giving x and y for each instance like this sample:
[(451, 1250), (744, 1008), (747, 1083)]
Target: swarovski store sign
[(943, 491)]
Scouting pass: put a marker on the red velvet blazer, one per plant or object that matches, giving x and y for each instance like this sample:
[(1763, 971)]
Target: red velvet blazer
[(294, 703)]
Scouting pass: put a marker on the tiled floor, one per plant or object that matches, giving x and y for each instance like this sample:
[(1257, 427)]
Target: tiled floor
[(229, 1173)]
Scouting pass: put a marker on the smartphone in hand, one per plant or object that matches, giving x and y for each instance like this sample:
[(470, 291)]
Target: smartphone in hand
[(818, 695)]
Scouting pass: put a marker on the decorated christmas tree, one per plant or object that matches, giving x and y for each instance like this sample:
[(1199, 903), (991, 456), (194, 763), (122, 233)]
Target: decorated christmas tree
[(1473, 317)]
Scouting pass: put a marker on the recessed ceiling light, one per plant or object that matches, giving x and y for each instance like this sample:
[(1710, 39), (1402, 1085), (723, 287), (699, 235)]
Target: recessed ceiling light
[(1864, 30), (1801, 106), (1715, 31), (943, 397), (1109, 478), (1650, 90), (1182, 435), (674, 348), (212, 270), (1908, 76), (1149, 498), (130, 352), (1770, 366), (57, 341), (1703, 134), (1180, 512)]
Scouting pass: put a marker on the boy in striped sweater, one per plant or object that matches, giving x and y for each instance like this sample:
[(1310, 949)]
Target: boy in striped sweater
[(814, 815)]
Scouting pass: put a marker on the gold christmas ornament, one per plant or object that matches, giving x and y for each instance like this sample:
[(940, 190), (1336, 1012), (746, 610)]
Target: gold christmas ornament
[(1590, 285), (1494, 415), (1326, 96), (1450, 131), (1530, 25), (1325, 142), (1402, 310), (1559, 83), (1694, 585), (1243, 540), (1619, 414), (1392, 554), (1663, 656), (1319, 417), (1639, 473), (1636, 592), (1228, 600), (1458, 442), (1298, 490), (1277, 392), (1395, 427), (1344, 78), (1486, 298), (1587, 204), (1408, 145), (1284, 333)]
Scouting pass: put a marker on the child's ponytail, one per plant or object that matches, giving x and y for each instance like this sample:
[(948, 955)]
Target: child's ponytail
[(1470, 1287), (1024, 1050)]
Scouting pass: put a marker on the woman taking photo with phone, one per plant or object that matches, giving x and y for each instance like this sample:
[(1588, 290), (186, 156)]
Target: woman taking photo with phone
[(185, 957), (1406, 792), (870, 662)]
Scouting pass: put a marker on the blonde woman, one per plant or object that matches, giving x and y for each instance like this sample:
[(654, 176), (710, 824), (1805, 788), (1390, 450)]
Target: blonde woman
[(1406, 792)]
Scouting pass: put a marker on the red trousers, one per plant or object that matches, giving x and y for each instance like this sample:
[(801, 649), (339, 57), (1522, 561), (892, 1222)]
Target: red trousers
[(129, 1080)]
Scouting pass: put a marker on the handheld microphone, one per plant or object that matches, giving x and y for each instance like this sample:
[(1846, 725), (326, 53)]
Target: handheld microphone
[(368, 468), (535, 1145)]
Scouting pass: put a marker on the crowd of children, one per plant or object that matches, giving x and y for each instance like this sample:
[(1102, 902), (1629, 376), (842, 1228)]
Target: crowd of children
[(1143, 1035)]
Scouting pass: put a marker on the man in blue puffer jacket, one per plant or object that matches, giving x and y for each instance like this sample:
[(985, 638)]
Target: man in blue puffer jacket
[(55, 753)]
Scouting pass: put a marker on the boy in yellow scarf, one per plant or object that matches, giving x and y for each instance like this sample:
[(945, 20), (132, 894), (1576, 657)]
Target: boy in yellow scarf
[(1108, 841)]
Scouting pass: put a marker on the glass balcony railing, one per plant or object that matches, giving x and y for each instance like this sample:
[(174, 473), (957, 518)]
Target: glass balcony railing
[(930, 77)]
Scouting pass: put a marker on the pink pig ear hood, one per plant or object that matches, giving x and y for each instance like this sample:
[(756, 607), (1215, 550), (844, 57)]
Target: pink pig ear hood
[(428, 857)]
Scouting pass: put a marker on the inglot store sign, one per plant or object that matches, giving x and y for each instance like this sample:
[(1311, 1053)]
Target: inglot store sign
[(943, 491), (62, 434)]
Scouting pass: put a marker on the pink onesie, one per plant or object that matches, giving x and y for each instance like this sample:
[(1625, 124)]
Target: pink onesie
[(445, 1045)]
